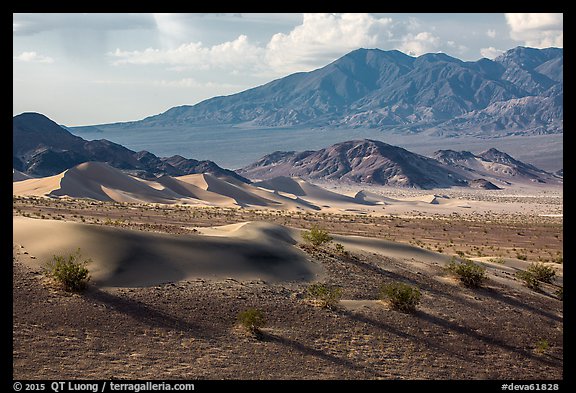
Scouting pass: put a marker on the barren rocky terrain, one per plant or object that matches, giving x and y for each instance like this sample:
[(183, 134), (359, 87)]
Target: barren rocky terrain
[(188, 329)]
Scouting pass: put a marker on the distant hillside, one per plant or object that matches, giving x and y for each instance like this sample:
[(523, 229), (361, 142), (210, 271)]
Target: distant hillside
[(375, 162), (520, 92), (495, 164), (360, 161), (43, 148)]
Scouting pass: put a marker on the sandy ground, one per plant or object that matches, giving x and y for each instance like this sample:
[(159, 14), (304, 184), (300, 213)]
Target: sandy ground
[(188, 329), (169, 279)]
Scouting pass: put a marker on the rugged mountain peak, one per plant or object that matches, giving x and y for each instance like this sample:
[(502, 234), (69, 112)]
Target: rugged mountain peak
[(358, 161), (33, 130), (372, 88), (379, 163), (496, 155), (41, 147), (528, 58), (33, 121)]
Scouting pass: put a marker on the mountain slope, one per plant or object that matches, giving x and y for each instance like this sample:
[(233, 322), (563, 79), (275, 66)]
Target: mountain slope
[(494, 164), (375, 162), (43, 148), (360, 161), (378, 89)]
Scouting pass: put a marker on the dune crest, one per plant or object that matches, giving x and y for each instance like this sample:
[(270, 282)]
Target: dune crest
[(252, 251), (100, 181)]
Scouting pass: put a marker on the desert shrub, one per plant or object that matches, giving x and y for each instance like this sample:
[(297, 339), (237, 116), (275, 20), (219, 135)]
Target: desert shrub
[(542, 272), (316, 236), (252, 320), (529, 279), (522, 257), (469, 273), (339, 248), (535, 274), (542, 346), (403, 297), (71, 272), (326, 296)]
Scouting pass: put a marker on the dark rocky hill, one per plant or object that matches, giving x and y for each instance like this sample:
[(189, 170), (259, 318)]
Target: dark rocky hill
[(43, 148), (360, 161), (375, 162)]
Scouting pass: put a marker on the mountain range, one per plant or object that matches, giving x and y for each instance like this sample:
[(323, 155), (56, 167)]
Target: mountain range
[(375, 162), (518, 93), (43, 148)]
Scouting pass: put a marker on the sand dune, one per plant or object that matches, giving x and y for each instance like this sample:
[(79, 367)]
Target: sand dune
[(94, 180), (243, 251), (190, 190), (301, 188), (102, 182), (134, 259), (210, 183)]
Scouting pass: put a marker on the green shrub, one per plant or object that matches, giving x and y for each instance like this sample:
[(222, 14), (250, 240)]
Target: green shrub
[(542, 346), (316, 236), (252, 320), (542, 272), (403, 297), (71, 273), (325, 295), (469, 273), (529, 279)]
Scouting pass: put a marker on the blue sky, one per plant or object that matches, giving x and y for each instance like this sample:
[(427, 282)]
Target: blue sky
[(81, 69)]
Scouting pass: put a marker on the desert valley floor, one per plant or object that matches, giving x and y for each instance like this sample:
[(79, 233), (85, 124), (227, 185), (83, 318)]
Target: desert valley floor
[(169, 281)]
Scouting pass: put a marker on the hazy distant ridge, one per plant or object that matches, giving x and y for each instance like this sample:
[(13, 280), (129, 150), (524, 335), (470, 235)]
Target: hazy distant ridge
[(520, 92)]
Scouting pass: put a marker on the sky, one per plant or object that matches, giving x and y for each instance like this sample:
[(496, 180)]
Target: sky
[(82, 69)]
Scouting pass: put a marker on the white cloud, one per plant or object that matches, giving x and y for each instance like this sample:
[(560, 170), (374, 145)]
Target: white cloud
[(416, 45), (537, 30), (324, 37), (491, 33), (237, 53), (317, 40), (33, 57), (491, 52)]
